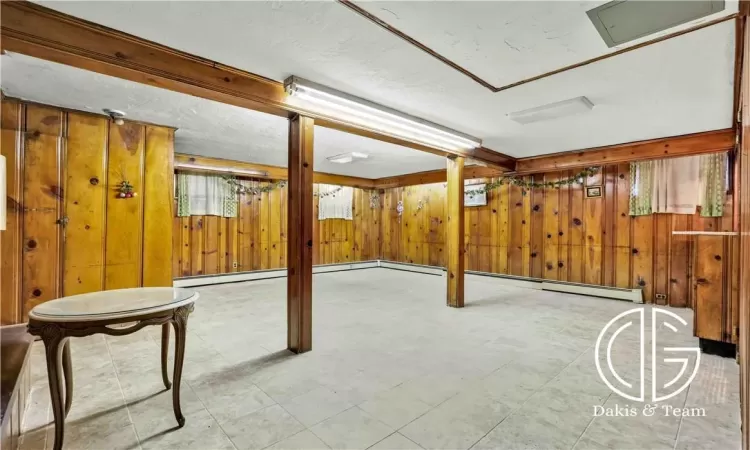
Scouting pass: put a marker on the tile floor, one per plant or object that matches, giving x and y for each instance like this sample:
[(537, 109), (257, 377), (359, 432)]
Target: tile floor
[(391, 368)]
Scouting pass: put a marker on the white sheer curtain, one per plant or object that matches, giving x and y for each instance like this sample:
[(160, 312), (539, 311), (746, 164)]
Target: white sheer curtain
[(205, 195), (676, 185), (337, 205)]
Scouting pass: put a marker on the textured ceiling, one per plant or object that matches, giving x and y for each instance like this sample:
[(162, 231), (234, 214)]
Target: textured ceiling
[(504, 42), (680, 86), (204, 127)]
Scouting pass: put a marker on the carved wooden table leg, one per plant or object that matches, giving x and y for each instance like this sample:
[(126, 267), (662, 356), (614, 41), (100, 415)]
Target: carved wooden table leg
[(67, 367), (165, 355), (53, 339), (180, 331)]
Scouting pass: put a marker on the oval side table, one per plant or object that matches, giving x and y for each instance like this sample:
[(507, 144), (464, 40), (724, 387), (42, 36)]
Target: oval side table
[(82, 315)]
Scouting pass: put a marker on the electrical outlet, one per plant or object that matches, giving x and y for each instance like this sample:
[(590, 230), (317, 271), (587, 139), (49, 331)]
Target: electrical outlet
[(235, 265), (660, 296)]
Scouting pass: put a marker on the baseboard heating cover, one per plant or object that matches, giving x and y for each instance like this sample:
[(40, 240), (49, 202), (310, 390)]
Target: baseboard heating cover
[(632, 295)]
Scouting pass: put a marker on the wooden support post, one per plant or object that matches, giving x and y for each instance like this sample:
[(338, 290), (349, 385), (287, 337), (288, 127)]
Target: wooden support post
[(742, 159), (455, 232), (300, 235)]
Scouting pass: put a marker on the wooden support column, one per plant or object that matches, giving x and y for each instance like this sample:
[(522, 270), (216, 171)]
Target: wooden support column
[(454, 238), (742, 160), (300, 235)]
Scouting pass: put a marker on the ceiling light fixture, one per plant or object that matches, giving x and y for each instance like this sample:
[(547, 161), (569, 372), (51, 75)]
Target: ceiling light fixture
[(228, 170), (552, 111), (116, 115), (346, 158), (350, 109)]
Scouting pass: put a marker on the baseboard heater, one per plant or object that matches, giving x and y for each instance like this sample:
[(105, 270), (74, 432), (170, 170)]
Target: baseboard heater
[(632, 295)]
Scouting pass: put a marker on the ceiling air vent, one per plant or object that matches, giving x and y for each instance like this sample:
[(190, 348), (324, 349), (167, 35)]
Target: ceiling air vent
[(622, 21)]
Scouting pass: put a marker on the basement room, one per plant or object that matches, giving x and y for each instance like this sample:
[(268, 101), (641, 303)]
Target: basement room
[(375, 225)]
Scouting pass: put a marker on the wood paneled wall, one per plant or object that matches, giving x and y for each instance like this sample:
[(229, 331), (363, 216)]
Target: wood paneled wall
[(562, 235), (256, 239), (67, 231)]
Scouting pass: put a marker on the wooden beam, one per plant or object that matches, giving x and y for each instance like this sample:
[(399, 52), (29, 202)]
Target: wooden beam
[(743, 163), (435, 176), (265, 172), (44, 33), (686, 145), (300, 235), (454, 238)]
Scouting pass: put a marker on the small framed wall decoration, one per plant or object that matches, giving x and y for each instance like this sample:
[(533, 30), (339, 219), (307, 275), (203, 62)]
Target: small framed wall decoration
[(475, 195), (593, 191)]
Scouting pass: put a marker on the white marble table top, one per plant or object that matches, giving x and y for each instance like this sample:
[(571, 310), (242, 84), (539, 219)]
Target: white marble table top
[(114, 304)]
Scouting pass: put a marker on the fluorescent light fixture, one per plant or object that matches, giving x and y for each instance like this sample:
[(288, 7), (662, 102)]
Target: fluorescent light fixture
[(552, 111), (346, 158), (349, 109), (229, 170)]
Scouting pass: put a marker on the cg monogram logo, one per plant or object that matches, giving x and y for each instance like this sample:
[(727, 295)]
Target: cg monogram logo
[(622, 327)]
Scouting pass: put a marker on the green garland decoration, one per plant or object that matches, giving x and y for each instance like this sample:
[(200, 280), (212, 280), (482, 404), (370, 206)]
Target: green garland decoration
[(525, 185), (249, 190)]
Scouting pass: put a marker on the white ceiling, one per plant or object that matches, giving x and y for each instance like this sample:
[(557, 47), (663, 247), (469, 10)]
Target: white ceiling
[(204, 127), (680, 86), (504, 42)]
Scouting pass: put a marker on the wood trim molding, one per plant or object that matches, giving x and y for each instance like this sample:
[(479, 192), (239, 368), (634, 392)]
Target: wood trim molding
[(273, 172), (434, 176), (44, 33), (455, 66), (690, 144), (686, 145)]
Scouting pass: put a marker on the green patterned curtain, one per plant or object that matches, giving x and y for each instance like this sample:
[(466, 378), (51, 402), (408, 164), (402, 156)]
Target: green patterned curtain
[(183, 200), (714, 168), (228, 195), (229, 207), (641, 187)]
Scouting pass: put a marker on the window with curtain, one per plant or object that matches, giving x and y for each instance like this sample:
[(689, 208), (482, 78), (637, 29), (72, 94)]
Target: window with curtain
[(335, 202), (205, 195), (680, 185)]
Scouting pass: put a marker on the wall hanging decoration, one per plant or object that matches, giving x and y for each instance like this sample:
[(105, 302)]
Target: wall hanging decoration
[(125, 190), (593, 191), (374, 200), (525, 185)]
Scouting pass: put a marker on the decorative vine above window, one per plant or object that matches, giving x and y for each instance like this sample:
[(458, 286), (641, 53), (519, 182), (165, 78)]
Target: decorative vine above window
[(525, 185)]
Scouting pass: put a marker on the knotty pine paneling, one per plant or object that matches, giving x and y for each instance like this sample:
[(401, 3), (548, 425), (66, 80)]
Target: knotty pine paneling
[(562, 235), (86, 199), (157, 205), (124, 235), (256, 239), (12, 118), (42, 205), (64, 166)]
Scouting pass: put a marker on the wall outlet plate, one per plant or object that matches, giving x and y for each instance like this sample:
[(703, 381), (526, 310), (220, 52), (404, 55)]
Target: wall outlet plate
[(234, 265), (660, 296)]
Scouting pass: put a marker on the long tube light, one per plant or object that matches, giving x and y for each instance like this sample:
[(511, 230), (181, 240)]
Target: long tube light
[(350, 109), (229, 170)]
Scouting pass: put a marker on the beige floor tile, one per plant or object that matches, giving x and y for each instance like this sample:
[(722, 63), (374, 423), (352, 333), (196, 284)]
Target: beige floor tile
[(316, 406), (304, 440), (262, 428), (396, 441), (351, 429)]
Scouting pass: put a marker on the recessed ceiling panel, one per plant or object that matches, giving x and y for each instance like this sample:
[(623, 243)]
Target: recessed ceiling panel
[(622, 21)]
